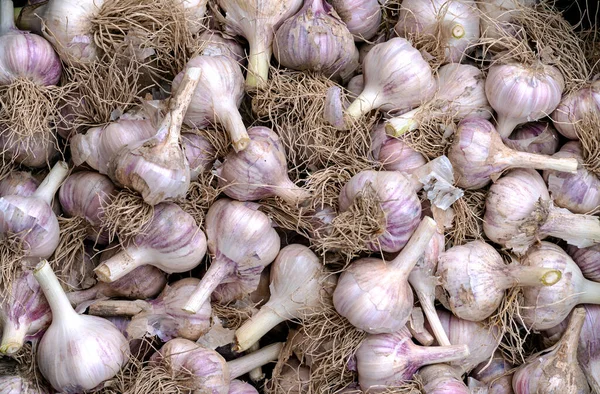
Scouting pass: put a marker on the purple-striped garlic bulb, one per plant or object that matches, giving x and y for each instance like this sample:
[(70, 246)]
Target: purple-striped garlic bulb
[(478, 155), (157, 167), (374, 295), (17, 384), (259, 171), (299, 283), (587, 259), (35, 151), (24, 314), (453, 25), (495, 375), (519, 212), (362, 17), (393, 153), (173, 242), (575, 107), (557, 371), (398, 200), (257, 21), (217, 97), (520, 93), (392, 359), (241, 242), (578, 192), (18, 183), (396, 78), (442, 379), (474, 279), (316, 39), (534, 137), (217, 43), (199, 152), (238, 387), (355, 86)]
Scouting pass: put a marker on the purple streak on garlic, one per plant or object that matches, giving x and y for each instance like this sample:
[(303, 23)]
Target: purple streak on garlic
[(356, 85), (24, 314), (442, 379), (398, 201), (534, 137), (216, 43), (173, 243), (522, 94), (519, 212), (241, 242), (315, 39), (299, 283), (257, 21), (575, 107), (362, 17), (199, 153), (239, 387), (453, 24), (478, 155), (32, 217), (392, 359), (217, 97), (259, 171), (374, 295), (18, 183), (558, 370), (578, 192), (396, 78), (495, 375), (393, 153), (587, 259), (474, 279)]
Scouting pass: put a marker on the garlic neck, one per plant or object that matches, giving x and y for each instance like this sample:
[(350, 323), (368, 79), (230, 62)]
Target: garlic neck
[(55, 295), (426, 300), (259, 61), (220, 268), (567, 346), (363, 104), (515, 159), (590, 292), (405, 123), (123, 263), (505, 125), (579, 230), (290, 193), (7, 23), (428, 355), (518, 275), (232, 121), (52, 182), (414, 249)]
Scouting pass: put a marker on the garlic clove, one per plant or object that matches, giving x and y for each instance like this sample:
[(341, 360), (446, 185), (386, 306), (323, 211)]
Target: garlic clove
[(362, 17), (393, 153), (587, 259), (495, 375)]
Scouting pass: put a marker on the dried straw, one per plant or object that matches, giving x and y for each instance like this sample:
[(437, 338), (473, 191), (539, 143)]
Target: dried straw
[(468, 218), (12, 253), (126, 216)]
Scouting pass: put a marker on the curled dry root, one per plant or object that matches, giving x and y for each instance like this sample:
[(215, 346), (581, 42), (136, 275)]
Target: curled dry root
[(126, 216), (468, 218), (12, 253), (434, 135), (591, 48), (233, 315), (588, 132), (28, 370), (71, 249)]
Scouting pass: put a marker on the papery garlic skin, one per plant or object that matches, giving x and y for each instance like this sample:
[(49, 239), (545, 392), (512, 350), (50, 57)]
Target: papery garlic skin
[(294, 378), (18, 183), (199, 153), (393, 153), (15, 384), (239, 387), (534, 137), (362, 17), (442, 379), (216, 43), (587, 259), (495, 375), (195, 10), (461, 92), (576, 106)]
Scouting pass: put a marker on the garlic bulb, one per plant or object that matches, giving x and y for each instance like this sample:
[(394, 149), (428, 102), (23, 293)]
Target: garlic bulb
[(217, 96), (578, 192), (498, 16), (396, 78), (474, 278), (557, 371), (518, 212), (157, 168), (173, 243), (315, 39), (393, 153), (15, 384), (242, 243), (299, 283), (355, 86), (534, 137), (522, 94), (199, 153), (257, 21), (495, 375), (576, 106), (442, 379), (398, 200), (374, 295), (239, 387), (35, 151), (587, 259), (259, 171), (453, 25), (478, 155), (18, 183), (362, 17), (216, 43), (392, 359), (77, 352), (24, 314)]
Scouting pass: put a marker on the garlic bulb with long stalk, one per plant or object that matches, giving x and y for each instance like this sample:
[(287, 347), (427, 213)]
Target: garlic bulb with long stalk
[(478, 155), (173, 243), (496, 374), (575, 107), (578, 192), (18, 183), (396, 78), (217, 96), (393, 153), (315, 39), (257, 21), (534, 137), (362, 17), (587, 259), (392, 359), (77, 352), (557, 371), (199, 152), (518, 212), (216, 43), (157, 167), (520, 93), (299, 283), (452, 26), (24, 314), (259, 171), (242, 243), (374, 295), (442, 379)]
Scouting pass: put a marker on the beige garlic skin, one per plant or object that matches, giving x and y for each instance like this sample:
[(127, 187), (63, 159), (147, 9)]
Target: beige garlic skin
[(362, 17), (217, 43), (195, 10), (575, 107)]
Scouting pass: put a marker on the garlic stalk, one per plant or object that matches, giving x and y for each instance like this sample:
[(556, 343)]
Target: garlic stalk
[(242, 243), (173, 243), (478, 155), (393, 153), (362, 17), (495, 375), (557, 371), (392, 359), (575, 107), (217, 96), (259, 171), (442, 379), (157, 168), (474, 278), (587, 259), (257, 21), (396, 78), (299, 283), (520, 93), (518, 212), (199, 153), (18, 183), (374, 295), (216, 43), (534, 137), (77, 352)]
